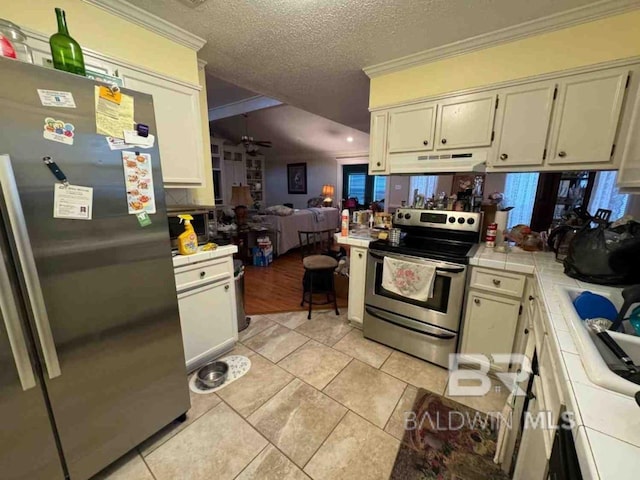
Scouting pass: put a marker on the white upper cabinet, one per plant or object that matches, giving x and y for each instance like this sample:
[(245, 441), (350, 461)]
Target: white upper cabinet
[(177, 110), (378, 143), (629, 175), (588, 112), (522, 125), (466, 121), (411, 129)]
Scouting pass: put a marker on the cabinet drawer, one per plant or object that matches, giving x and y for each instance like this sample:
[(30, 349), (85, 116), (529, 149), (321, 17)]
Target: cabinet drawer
[(201, 273), (550, 384), (497, 281)]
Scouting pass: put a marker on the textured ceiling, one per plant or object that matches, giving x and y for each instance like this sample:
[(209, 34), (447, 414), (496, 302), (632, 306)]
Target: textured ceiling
[(292, 131), (310, 53)]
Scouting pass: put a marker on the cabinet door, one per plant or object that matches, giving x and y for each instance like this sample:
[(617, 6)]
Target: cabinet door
[(206, 318), (533, 460), (411, 129), (357, 273), (177, 110), (489, 325), (378, 143), (522, 124), (629, 175), (586, 120), (466, 121)]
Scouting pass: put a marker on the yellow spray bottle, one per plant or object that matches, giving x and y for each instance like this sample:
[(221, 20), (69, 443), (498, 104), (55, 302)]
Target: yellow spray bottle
[(187, 240)]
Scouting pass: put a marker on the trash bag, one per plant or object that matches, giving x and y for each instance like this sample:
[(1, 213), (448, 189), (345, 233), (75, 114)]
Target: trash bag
[(603, 255)]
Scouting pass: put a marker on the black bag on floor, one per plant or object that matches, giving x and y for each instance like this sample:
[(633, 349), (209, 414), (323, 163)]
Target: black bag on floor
[(607, 256)]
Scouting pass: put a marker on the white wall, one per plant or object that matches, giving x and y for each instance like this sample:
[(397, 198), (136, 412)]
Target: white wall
[(321, 169)]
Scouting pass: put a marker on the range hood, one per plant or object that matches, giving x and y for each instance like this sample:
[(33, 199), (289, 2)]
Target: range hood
[(445, 162)]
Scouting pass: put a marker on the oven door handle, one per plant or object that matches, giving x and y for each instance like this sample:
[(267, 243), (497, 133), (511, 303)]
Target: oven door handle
[(438, 269), (411, 324)]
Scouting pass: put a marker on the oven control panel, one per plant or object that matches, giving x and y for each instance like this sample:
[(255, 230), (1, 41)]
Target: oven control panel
[(464, 221)]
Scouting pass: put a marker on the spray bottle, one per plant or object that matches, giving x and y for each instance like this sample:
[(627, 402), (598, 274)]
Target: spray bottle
[(187, 240)]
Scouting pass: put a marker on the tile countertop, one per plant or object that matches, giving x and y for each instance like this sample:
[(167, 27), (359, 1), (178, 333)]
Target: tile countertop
[(221, 251), (362, 240), (607, 435)]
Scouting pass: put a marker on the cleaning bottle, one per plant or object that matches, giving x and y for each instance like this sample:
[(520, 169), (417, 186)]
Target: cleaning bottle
[(345, 223), (187, 240)]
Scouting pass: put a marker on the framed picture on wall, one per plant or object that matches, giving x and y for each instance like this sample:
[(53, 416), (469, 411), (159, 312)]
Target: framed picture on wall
[(297, 178)]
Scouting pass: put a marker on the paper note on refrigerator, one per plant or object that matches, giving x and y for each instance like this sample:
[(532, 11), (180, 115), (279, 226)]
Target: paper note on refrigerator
[(139, 182), (72, 202), (113, 119)]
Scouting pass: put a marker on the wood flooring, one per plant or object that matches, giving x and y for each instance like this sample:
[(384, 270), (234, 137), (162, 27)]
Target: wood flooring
[(278, 287)]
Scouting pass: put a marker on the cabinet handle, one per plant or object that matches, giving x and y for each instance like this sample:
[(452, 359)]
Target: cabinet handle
[(202, 274), (504, 156), (562, 154), (359, 255), (378, 164), (531, 298), (497, 282), (526, 331), (426, 142), (476, 301), (443, 141), (226, 287)]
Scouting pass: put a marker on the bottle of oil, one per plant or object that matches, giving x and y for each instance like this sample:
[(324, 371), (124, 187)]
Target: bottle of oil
[(66, 52)]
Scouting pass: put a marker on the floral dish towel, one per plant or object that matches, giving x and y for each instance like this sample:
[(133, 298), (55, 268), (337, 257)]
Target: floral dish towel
[(408, 279)]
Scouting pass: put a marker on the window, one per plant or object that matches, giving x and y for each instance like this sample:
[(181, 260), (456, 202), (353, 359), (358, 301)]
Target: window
[(357, 183), (379, 188), (520, 193), (606, 195), (426, 185)]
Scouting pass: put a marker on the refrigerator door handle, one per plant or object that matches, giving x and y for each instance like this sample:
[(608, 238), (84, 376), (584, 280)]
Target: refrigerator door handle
[(9, 311), (28, 266)]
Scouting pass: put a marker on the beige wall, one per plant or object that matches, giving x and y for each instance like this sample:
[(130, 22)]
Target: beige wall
[(321, 169), (98, 30), (589, 43)]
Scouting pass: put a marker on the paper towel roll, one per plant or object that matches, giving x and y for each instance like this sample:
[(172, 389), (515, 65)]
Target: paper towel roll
[(502, 219)]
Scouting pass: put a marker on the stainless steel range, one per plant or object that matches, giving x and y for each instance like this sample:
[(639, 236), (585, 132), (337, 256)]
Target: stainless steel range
[(426, 329)]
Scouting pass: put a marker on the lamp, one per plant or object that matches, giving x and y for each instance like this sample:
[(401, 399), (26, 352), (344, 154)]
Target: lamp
[(327, 193), (240, 199)]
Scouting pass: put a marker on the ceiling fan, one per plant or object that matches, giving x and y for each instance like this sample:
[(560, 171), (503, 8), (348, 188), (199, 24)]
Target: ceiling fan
[(250, 145)]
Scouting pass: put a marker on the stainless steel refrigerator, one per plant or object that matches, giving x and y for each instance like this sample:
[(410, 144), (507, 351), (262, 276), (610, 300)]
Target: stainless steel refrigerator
[(91, 355)]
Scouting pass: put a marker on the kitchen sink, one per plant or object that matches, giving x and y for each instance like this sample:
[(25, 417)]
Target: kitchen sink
[(596, 358)]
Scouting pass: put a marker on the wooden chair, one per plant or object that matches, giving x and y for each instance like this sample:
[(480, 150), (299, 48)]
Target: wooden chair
[(318, 268)]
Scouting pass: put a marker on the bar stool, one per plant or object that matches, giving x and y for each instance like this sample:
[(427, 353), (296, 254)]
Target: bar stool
[(318, 269)]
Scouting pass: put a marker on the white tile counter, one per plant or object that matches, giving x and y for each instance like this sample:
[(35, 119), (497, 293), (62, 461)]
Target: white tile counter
[(354, 240), (608, 424), (221, 251)]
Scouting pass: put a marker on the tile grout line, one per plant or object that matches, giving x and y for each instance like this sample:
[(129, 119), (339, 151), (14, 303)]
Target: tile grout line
[(147, 465), (256, 456), (406, 387), (326, 438)]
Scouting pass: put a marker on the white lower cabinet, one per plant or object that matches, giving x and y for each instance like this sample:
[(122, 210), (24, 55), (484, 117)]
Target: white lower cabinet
[(489, 326), (357, 276), (534, 453), (207, 310)]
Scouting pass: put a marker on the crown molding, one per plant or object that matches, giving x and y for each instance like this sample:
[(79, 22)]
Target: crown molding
[(575, 16), (201, 64), (151, 22), (40, 42), (246, 105)]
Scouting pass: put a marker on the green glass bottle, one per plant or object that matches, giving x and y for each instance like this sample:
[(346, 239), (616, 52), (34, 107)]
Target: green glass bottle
[(66, 52)]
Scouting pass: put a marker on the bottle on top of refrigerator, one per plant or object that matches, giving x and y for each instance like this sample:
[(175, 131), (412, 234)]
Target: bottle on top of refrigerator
[(66, 52), (345, 223)]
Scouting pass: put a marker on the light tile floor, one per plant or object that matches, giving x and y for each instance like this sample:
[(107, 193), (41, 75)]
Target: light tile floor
[(320, 402)]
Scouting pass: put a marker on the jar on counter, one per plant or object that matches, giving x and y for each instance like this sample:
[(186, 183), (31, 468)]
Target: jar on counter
[(17, 38)]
